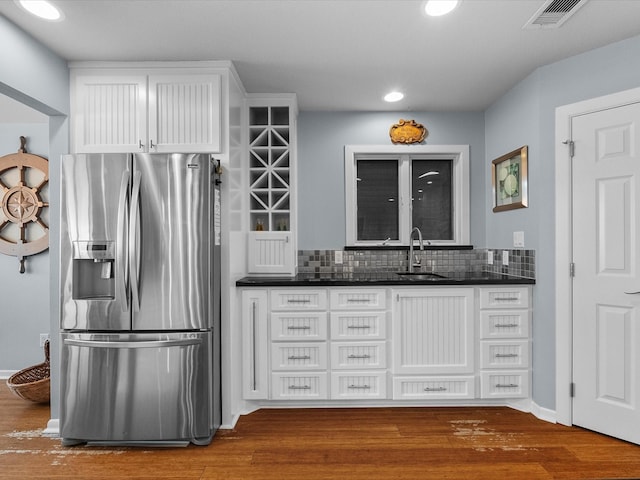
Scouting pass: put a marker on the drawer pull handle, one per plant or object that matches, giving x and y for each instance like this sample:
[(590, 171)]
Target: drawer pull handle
[(354, 327), (299, 357), (299, 328), (359, 356), (296, 300), (506, 325), (506, 385), (435, 389), (360, 387), (506, 355), (507, 299), (301, 387), (358, 300)]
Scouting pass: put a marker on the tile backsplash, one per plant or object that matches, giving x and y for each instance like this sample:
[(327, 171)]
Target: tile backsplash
[(521, 262)]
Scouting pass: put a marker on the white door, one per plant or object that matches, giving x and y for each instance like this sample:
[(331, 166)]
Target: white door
[(606, 287)]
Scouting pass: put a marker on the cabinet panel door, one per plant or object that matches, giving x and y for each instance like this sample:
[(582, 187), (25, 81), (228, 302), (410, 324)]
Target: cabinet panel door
[(109, 114), (298, 326), (358, 385), (299, 386), (255, 356), (433, 331), (184, 113)]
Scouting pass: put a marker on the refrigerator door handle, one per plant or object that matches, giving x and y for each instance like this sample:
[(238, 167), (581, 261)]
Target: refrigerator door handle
[(121, 248), (134, 255), (141, 344)]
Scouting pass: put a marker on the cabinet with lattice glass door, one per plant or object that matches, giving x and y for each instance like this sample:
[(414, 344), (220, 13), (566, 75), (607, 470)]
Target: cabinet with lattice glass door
[(271, 135)]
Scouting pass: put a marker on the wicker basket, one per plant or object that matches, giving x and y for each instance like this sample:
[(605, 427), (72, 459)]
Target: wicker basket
[(33, 383)]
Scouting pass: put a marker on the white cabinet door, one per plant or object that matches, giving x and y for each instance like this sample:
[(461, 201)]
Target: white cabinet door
[(109, 114), (255, 361), (271, 252), (184, 113), (120, 112), (433, 331)]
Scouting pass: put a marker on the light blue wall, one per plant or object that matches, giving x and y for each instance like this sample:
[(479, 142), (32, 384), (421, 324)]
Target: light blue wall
[(24, 298), (35, 76), (321, 140), (526, 115)]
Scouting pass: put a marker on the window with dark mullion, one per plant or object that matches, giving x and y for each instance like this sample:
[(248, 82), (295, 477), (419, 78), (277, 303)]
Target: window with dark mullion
[(432, 198), (377, 200)]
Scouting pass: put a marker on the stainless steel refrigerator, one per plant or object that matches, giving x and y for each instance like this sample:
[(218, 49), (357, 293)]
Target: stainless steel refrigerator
[(140, 299)]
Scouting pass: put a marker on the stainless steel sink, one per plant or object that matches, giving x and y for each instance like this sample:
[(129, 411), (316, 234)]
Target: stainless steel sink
[(421, 276)]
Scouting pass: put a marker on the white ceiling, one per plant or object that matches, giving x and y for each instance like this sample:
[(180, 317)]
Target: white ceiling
[(339, 54)]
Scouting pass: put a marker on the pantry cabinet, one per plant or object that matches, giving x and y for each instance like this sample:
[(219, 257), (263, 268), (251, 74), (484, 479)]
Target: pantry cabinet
[(123, 110)]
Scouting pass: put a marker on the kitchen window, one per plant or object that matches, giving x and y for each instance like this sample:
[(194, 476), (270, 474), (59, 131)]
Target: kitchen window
[(392, 189)]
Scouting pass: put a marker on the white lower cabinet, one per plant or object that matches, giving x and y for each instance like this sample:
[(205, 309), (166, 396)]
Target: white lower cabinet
[(299, 386), (433, 387), (505, 356), (404, 344), (358, 385)]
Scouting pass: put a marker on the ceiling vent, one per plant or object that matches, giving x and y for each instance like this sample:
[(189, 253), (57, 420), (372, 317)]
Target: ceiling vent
[(554, 13)]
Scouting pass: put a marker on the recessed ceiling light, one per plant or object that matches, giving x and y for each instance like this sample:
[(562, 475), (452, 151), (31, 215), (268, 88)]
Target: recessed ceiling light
[(41, 8), (436, 8), (393, 97)]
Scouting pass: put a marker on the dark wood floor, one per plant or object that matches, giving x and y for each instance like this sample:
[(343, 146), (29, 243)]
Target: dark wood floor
[(359, 444)]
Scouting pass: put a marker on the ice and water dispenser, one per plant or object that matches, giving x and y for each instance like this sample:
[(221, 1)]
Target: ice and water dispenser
[(93, 270)]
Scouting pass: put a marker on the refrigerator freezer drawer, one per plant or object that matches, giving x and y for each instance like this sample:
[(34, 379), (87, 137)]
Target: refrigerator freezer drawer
[(136, 387)]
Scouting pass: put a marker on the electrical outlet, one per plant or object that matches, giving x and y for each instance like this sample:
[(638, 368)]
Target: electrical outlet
[(43, 338), (518, 239), (338, 257), (505, 258), (489, 257)]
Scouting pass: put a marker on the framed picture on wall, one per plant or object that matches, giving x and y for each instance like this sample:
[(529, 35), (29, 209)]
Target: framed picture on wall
[(509, 180)]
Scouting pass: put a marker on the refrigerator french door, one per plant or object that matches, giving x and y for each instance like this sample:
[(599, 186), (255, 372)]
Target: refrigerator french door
[(140, 299)]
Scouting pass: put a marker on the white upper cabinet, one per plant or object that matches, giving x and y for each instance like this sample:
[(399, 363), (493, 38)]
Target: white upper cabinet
[(125, 110)]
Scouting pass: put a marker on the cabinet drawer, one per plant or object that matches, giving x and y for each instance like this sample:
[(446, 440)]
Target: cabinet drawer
[(416, 388), (298, 326), (505, 384), (504, 297), (358, 355), (358, 299), (504, 323), (358, 325), (504, 354), (358, 385), (299, 356), (308, 386), (303, 299)]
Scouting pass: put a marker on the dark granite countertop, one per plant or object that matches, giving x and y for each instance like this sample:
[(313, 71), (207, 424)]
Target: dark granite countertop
[(380, 278)]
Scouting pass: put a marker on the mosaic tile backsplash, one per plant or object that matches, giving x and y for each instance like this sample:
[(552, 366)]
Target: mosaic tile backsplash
[(521, 262)]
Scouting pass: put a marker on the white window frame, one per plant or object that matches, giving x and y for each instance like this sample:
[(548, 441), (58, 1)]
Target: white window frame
[(459, 154)]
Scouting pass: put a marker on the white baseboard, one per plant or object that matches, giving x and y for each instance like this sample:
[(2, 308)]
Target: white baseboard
[(542, 413), (53, 428)]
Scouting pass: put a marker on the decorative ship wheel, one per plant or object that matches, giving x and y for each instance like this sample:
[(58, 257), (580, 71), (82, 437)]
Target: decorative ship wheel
[(22, 230)]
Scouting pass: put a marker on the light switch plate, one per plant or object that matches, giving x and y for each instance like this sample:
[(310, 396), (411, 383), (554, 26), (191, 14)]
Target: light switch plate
[(518, 239), (338, 257), (489, 257), (505, 258)]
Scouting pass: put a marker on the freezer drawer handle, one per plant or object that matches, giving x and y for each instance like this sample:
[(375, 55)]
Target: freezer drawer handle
[(142, 344)]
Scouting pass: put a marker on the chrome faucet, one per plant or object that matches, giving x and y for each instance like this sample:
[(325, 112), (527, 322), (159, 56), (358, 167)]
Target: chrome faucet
[(414, 262)]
